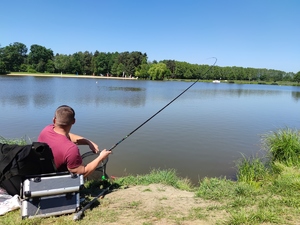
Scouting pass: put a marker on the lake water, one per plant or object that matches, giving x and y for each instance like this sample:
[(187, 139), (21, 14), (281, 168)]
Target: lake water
[(201, 134)]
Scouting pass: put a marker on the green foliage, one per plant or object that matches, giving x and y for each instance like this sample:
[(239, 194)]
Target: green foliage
[(283, 146), (13, 56), (156, 176), (297, 77), (158, 71), (250, 217), (215, 188), (20, 141), (252, 171), (142, 71), (41, 59), (287, 181), (2, 67)]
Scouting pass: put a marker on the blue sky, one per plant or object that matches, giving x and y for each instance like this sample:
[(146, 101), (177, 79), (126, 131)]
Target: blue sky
[(246, 33)]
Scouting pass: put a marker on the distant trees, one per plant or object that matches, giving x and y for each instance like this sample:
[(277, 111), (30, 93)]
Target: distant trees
[(40, 59), (159, 71), (297, 77), (14, 58)]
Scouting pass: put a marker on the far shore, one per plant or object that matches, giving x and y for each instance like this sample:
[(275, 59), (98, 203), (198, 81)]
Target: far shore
[(71, 76)]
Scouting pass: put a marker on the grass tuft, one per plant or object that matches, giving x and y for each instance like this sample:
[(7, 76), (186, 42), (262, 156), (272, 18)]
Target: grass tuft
[(156, 176), (215, 188), (283, 146), (252, 171), (20, 141)]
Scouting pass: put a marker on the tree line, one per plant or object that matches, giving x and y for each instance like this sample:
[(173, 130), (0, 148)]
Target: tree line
[(15, 58)]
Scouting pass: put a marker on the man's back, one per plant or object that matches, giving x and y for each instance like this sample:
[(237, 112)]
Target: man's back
[(66, 153)]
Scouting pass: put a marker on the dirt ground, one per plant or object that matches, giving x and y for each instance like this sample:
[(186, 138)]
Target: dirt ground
[(158, 204)]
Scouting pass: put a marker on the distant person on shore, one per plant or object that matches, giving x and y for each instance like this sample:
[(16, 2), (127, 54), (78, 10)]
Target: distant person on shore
[(64, 144)]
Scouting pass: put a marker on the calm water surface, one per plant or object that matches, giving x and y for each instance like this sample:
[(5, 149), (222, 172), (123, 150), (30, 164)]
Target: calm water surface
[(200, 134)]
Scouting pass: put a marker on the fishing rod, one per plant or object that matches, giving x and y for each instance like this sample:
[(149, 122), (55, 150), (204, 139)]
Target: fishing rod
[(80, 213), (123, 139)]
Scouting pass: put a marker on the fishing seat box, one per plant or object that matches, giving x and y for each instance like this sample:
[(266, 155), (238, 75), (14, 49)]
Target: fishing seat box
[(51, 195)]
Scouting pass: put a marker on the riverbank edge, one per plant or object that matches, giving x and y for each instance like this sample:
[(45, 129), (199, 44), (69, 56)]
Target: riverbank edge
[(281, 83), (70, 76)]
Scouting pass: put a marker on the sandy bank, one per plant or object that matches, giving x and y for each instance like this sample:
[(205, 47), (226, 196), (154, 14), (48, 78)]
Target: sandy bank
[(70, 76)]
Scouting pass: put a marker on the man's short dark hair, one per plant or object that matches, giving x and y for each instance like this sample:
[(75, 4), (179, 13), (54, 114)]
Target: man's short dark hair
[(64, 115)]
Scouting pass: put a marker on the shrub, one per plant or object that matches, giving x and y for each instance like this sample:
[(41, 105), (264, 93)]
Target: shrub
[(283, 146), (252, 171)]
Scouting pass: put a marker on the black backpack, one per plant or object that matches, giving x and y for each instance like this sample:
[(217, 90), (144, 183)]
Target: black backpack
[(17, 162)]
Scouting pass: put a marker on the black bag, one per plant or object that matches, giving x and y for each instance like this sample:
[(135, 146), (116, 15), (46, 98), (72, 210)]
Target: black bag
[(17, 162)]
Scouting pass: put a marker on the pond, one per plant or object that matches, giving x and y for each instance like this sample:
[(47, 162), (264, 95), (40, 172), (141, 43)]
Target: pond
[(201, 134)]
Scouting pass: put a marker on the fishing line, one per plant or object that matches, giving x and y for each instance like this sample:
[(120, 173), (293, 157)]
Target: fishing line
[(162, 108)]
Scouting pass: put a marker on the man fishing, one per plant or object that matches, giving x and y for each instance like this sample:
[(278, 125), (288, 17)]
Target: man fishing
[(64, 144)]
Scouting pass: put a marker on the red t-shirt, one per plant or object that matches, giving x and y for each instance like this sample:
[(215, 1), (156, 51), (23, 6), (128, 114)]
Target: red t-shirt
[(66, 154)]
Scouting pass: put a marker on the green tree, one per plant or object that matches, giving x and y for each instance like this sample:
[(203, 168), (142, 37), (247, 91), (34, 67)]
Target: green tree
[(171, 65), (14, 56), (2, 67), (114, 69), (87, 62), (61, 63), (100, 64), (288, 76), (50, 68), (180, 69), (188, 74), (276, 75), (77, 63), (121, 69), (159, 71), (142, 71), (2, 64), (131, 61), (297, 77), (39, 56)]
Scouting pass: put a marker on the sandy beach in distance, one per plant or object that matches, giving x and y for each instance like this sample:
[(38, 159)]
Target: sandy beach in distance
[(71, 76)]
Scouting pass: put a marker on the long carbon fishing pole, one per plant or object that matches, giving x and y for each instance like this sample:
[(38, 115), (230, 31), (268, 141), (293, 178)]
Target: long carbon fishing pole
[(79, 214), (162, 108)]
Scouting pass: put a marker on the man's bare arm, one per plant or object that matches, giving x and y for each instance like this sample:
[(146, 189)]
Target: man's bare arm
[(79, 140), (90, 167)]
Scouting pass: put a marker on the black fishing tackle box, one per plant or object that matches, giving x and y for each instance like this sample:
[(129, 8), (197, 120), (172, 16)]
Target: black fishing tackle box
[(51, 195)]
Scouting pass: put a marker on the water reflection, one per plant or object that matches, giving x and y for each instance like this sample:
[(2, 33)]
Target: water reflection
[(296, 95), (126, 89), (41, 100), (44, 91), (235, 92), (201, 134), (127, 96)]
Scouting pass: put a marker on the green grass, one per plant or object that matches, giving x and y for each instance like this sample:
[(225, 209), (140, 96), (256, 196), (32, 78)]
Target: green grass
[(19, 141), (252, 170), (283, 146), (157, 176)]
